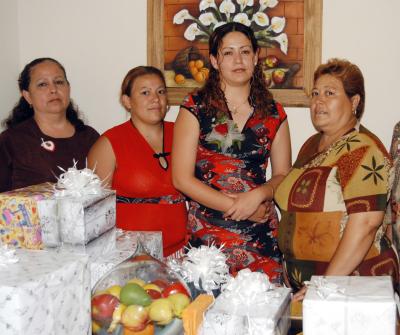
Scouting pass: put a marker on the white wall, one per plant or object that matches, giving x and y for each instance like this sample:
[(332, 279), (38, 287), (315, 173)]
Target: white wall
[(99, 40), (8, 56)]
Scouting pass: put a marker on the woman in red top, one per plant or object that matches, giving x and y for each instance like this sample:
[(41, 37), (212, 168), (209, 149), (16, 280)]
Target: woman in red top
[(134, 158)]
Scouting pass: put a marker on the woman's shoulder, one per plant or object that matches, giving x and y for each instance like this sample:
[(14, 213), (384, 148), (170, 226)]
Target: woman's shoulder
[(366, 137), (118, 129), (25, 128), (277, 111)]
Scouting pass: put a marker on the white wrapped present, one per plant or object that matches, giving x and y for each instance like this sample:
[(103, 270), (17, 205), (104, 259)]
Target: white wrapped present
[(249, 305), (82, 219), (45, 293), (126, 246), (350, 305)]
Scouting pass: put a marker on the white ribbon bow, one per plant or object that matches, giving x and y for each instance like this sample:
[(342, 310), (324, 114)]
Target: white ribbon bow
[(324, 288)]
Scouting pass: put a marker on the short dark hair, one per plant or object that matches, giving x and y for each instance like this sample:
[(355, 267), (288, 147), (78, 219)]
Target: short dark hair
[(351, 77), (23, 111)]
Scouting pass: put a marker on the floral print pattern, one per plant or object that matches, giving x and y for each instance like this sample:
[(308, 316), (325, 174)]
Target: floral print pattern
[(235, 161)]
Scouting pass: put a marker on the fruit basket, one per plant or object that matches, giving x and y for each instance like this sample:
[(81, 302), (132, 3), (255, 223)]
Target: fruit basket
[(141, 296)]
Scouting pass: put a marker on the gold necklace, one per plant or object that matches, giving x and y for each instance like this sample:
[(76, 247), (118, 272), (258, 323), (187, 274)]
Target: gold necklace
[(235, 108)]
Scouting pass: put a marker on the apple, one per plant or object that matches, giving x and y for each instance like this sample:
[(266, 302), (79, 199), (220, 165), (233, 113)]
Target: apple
[(103, 306), (152, 286), (174, 288), (161, 311), (135, 317), (160, 283), (179, 302), (154, 294), (271, 61), (278, 76), (114, 290)]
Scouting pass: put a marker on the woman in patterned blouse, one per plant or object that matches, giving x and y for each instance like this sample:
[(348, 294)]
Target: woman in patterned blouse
[(333, 199)]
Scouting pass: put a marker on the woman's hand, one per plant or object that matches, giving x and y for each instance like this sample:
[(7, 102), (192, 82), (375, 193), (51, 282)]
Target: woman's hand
[(245, 204), (262, 213), (299, 296)]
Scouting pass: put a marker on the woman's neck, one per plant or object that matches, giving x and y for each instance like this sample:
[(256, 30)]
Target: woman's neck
[(236, 94), (152, 133), (328, 138), (56, 126)]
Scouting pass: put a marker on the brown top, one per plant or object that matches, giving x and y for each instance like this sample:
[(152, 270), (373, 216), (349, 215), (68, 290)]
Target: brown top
[(28, 156)]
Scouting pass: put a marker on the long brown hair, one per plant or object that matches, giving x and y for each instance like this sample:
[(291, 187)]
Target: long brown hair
[(212, 94)]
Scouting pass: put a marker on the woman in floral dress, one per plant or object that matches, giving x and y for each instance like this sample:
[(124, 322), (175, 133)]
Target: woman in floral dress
[(224, 135)]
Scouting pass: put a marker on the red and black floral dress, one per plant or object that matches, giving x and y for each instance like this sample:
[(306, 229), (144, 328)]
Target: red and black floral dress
[(234, 161)]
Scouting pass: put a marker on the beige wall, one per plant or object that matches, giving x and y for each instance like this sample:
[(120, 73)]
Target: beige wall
[(8, 56), (99, 40)]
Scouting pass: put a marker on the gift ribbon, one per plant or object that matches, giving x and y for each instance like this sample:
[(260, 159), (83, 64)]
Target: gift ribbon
[(77, 183), (324, 288)]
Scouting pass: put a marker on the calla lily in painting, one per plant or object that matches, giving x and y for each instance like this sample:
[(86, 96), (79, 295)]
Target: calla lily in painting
[(182, 16), (282, 39), (207, 19), (242, 18), (261, 19), (227, 7), (267, 4), (244, 3), (191, 32), (277, 24), (204, 4)]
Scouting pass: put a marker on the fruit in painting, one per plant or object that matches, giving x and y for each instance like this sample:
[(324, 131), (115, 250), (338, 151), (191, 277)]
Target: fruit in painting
[(103, 306), (179, 302), (180, 79), (133, 294), (271, 61), (161, 311), (278, 76), (135, 317)]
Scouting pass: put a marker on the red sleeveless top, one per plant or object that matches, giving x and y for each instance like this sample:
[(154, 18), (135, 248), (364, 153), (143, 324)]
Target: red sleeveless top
[(146, 198)]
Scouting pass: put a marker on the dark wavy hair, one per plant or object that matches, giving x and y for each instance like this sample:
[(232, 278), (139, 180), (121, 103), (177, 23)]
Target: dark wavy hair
[(23, 111), (135, 73), (212, 94), (351, 77)]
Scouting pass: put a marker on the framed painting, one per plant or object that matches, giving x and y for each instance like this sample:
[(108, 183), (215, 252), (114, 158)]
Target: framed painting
[(288, 33)]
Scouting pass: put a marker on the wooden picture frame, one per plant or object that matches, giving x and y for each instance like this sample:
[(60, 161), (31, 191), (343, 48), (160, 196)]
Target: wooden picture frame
[(288, 97)]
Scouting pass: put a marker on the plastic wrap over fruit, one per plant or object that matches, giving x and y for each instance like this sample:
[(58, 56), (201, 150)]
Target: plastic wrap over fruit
[(141, 296)]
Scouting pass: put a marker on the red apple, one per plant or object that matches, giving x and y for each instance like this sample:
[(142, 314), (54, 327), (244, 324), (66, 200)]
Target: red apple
[(103, 306), (271, 61), (154, 294), (174, 288), (278, 76)]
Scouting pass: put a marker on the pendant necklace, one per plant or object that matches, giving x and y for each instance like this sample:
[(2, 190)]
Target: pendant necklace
[(235, 108)]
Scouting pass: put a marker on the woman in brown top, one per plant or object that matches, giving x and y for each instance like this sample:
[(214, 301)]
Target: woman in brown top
[(44, 131)]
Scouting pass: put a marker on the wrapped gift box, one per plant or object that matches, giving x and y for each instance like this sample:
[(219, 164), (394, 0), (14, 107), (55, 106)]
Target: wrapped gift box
[(349, 305), (235, 313), (126, 246), (20, 218), (45, 293), (33, 218)]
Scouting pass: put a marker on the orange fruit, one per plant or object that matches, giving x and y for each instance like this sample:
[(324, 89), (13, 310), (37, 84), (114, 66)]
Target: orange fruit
[(205, 71), (194, 71), (179, 79), (191, 64), (199, 63), (149, 330), (200, 77)]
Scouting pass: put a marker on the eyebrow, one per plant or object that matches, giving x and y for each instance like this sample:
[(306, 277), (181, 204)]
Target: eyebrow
[(234, 47)]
